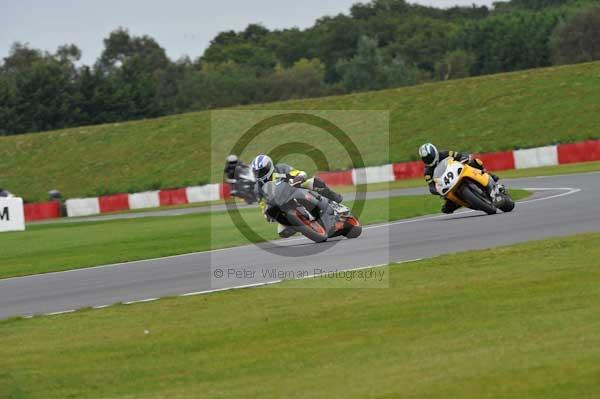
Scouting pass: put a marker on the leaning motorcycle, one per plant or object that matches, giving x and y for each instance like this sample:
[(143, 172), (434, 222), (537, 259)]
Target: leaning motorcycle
[(308, 213), (243, 185), (470, 187)]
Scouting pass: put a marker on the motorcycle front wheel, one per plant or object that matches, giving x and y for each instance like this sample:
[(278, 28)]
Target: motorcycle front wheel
[(312, 230), (508, 204), (477, 199)]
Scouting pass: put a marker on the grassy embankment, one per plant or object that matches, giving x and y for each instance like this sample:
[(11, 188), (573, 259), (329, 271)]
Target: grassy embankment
[(497, 112)]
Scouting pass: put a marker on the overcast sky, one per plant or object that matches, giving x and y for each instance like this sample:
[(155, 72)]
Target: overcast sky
[(180, 26)]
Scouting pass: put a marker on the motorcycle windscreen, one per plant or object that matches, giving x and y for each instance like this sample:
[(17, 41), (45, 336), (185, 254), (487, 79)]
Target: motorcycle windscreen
[(439, 170), (244, 173), (277, 193)]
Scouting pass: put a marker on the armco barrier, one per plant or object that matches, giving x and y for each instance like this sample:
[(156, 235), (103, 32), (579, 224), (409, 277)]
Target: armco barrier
[(373, 174), (209, 192), (342, 178), (502, 160), (147, 199), (113, 203), (82, 206), (41, 211), (536, 157), (586, 151), (175, 196), (408, 170)]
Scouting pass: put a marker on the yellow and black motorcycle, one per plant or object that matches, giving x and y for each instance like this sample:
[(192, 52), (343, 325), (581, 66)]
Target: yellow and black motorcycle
[(470, 187)]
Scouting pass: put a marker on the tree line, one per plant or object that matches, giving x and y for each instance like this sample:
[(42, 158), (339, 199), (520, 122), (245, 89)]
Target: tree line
[(379, 44)]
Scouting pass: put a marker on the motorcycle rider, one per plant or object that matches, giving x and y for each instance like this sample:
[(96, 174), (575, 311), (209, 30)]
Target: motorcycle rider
[(265, 170), (231, 163), (431, 157)]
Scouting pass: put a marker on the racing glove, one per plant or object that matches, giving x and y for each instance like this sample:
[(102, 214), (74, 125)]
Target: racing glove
[(298, 180)]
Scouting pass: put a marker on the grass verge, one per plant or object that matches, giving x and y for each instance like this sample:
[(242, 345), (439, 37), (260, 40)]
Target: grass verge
[(521, 321), (56, 247)]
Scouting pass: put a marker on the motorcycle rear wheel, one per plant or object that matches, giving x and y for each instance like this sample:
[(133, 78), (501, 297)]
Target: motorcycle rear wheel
[(476, 198), (312, 230)]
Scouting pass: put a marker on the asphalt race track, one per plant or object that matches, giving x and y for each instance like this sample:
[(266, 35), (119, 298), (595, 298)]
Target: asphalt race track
[(562, 205)]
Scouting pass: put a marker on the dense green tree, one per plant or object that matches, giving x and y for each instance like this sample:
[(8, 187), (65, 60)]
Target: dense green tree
[(336, 39), (509, 42), (578, 38), (424, 41), (369, 70), (379, 44), (21, 58), (454, 65), (120, 48), (8, 116), (291, 45), (306, 78)]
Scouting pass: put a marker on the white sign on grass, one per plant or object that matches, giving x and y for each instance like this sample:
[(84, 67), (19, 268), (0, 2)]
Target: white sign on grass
[(12, 216)]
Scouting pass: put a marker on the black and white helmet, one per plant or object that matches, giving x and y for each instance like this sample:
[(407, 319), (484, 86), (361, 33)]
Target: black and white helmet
[(231, 159), (429, 154), (263, 167)]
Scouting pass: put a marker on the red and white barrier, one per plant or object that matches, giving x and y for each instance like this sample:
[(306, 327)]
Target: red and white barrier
[(41, 211), (373, 174), (408, 170), (502, 160), (341, 178), (147, 199), (586, 151), (496, 161), (82, 206), (536, 157), (176, 196), (209, 192), (113, 203)]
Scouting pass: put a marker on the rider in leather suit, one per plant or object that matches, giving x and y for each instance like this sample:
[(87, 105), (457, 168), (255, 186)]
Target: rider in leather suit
[(265, 170), (431, 157)]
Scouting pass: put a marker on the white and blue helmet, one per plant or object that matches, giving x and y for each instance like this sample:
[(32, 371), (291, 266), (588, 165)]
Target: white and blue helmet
[(429, 154), (263, 167)]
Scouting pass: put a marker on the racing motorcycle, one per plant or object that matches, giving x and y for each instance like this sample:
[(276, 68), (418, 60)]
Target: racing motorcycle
[(242, 186), (310, 214), (470, 187)]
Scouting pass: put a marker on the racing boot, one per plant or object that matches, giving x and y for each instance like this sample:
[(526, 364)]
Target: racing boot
[(449, 207), (327, 216), (329, 194), (285, 231)]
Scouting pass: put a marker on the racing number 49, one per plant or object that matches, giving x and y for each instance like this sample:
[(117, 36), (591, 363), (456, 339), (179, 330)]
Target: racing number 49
[(448, 178)]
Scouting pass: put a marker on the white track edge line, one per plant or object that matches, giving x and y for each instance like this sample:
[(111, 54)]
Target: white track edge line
[(238, 287)]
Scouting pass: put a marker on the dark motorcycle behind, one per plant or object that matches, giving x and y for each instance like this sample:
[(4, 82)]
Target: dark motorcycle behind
[(243, 184), (307, 212)]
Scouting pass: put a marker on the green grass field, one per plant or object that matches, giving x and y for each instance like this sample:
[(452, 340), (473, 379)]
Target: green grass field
[(54, 247), (521, 109), (516, 322)]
